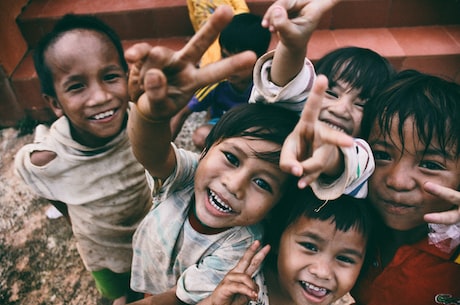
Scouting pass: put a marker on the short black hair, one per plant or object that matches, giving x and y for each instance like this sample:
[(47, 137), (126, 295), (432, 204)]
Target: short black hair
[(345, 213), (255, 121), (431, 101), (245, 33), (361, 68), (68, 23)]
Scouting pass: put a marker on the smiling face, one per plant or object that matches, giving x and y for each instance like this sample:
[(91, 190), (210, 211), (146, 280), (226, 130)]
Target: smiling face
[(342, 108), (396, 187), (234, 186), (90, 85), (318, 264)]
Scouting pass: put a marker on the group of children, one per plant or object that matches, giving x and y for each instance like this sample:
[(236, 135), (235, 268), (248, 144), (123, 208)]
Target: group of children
[(378, 148)]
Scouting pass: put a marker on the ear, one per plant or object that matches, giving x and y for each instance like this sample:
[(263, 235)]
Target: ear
[(54, 105)]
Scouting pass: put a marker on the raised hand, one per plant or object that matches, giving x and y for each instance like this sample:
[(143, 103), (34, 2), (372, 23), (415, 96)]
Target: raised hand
[(445, 194), (238, 287), (162, 80), (312, 147)]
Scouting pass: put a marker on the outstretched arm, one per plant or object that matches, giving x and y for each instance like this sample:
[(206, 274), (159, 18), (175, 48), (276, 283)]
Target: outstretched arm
[(445, 194), (161, 83), (294, 22), (237, 287), (312, 148)]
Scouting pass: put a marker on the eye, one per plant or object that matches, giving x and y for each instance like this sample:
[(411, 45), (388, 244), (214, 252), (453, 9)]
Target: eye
[(360, 103), (309, 246), (74, 87), (346, 259), (431, 165), (381, 155), (112, 76), (263, 184), (331, 94), (232, 158)]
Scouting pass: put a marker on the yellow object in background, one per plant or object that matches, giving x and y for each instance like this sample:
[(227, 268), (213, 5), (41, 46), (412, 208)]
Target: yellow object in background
[(199, 12)]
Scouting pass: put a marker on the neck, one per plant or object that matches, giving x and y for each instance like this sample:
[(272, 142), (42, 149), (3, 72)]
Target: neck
[(395, 239)]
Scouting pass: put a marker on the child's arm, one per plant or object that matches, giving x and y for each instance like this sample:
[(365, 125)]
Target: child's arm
[(164, 80), (238, 287), (294, 23), (312, 147), (447, 194)]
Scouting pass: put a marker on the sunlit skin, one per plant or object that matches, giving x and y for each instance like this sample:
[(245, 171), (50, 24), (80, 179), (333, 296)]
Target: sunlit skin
[(396, 187), (317, 264), (90, 84), (343, 108), (233, 187)]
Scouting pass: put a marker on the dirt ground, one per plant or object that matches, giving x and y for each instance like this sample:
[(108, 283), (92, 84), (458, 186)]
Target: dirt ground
[(39, 262)]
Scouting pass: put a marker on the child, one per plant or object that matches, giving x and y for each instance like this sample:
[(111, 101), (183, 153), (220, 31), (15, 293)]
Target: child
[(412, 127), (285, 77), (207, 209), (318, 251), (84, 159), (199, 12), (244, 33)]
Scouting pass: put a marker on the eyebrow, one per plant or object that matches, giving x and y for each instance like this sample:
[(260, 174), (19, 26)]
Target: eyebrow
[(318, 238)]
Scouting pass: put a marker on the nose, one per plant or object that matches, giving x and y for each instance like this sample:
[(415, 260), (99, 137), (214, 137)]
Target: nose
[(99, 94), (321, 267), (235, 182), (342, 107), (399, 178)]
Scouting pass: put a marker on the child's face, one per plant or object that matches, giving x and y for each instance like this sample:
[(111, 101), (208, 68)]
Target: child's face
[(343, 109), (396, 187), (233, 187), (317, 264), (90, 84)]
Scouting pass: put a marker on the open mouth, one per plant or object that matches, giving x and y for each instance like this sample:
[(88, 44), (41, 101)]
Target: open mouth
[(335, 127), (316, 291), (103, 115), (217, 203)]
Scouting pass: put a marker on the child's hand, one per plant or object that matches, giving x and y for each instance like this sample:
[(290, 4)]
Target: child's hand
[(312, 147), (295, 20), (449, 195), (237, 287), (162, 80)]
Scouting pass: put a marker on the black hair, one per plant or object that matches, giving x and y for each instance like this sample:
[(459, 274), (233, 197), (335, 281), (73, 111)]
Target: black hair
[(361, 68), (432, 102), (68, 23), (245, 33), (345, 213), (254, 121)]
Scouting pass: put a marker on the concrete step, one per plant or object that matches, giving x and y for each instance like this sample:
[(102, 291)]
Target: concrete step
[(419, 34)]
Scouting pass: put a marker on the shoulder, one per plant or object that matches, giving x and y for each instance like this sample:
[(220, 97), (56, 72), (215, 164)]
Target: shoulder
[(42, 158)]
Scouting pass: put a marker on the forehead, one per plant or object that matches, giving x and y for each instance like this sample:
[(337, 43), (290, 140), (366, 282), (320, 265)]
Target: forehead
[(80, 43)]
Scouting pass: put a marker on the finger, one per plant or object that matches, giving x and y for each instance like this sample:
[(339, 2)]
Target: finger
[(448, 218), (334, 137), (208, 33), (247, 259), (446, 194), (137, 52), (221, 69), (312, 108), (289, 161), (257, 260), (155, 85)]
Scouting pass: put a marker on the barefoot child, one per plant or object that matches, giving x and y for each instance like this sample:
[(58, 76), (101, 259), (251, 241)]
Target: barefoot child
[(84, 159)]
